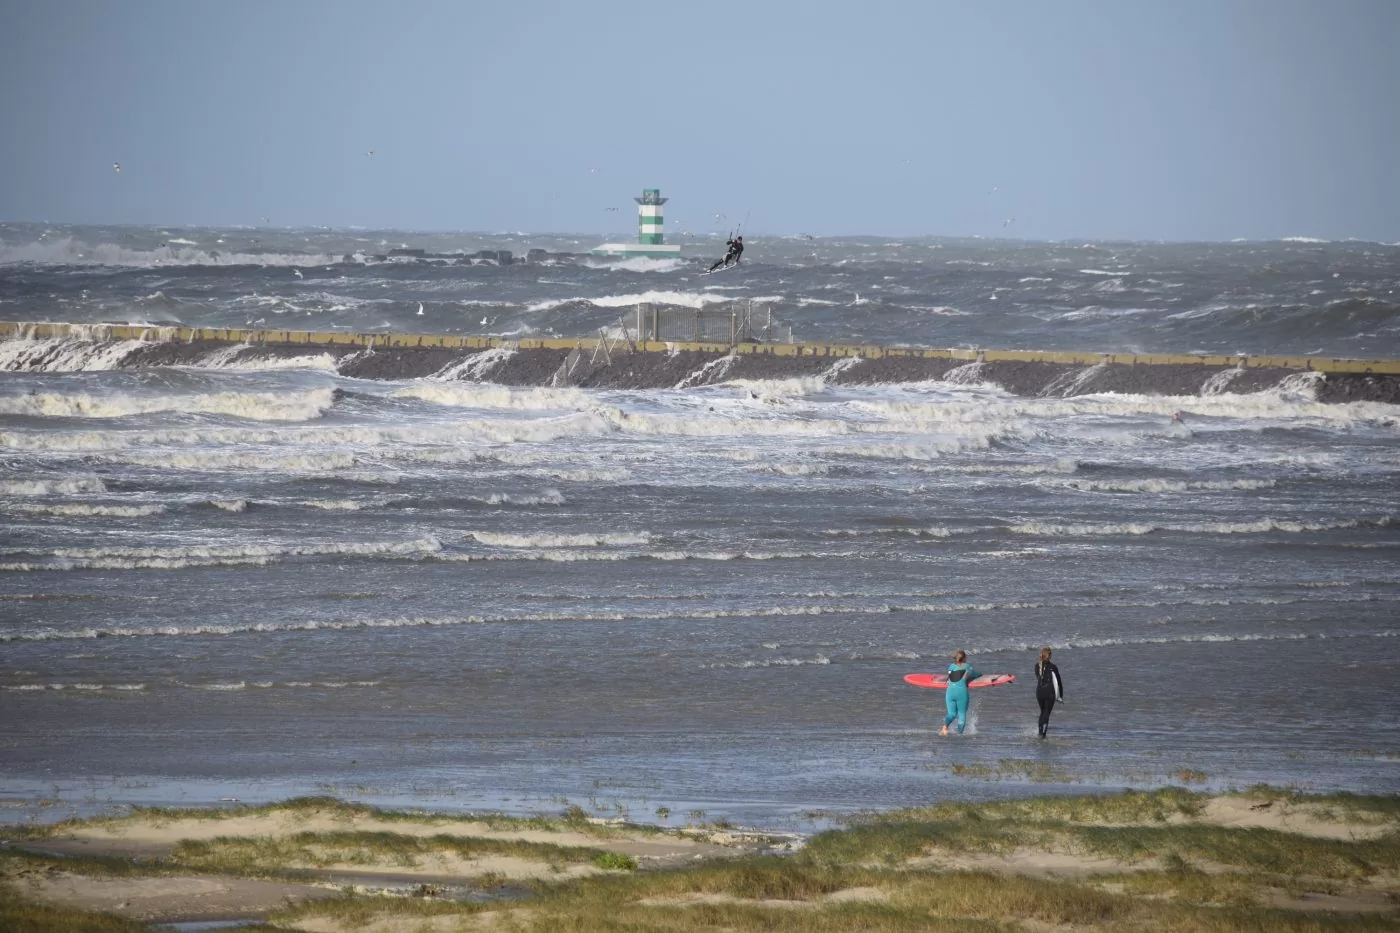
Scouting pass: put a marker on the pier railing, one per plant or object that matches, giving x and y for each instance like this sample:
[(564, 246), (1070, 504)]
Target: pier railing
[(740, 322)]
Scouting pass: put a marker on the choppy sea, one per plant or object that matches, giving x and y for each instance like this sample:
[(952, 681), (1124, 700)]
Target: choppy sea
[(267, 579)]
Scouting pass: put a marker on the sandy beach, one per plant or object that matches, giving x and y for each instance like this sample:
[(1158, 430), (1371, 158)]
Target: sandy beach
[(1167, 859)]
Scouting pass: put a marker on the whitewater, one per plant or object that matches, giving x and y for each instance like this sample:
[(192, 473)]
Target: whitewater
[(264, 577)]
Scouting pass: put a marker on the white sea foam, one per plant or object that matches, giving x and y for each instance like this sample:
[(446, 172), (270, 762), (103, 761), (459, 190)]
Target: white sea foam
[(255, 406), (236, 358), (59, 687), (547, 497), (713, 371), (475, 367), (819, 660), (1161, 485), (1262, 526), (667, 298), (166, 558), (76, 509), (501, 539), (333, 625), (490, 396), (69, 251), (796, 469), (49, 487), (64, 354)]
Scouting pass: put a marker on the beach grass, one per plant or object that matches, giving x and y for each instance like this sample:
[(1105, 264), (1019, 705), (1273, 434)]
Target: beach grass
[(19, 914), (272, 856), (778, 895), (573, 817), (1135, 861)]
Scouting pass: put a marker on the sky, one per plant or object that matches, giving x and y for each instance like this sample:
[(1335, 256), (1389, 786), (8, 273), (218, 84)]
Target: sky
[(1110, 119)]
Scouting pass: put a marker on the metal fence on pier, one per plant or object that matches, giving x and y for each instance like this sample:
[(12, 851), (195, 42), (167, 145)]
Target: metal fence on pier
[(740, 322)]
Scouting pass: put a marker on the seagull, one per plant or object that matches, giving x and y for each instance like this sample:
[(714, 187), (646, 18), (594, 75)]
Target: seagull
[(370, 153), (420, 308), (267, 220), (994, 190), (609, 208), (483, 322), (1008, 221), (116, 166), (297, 273)]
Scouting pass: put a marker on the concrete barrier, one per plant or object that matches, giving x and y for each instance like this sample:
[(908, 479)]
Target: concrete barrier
[(231, 335)]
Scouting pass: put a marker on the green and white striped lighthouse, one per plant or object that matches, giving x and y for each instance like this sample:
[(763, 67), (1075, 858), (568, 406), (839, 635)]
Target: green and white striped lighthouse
[(650, 218), (651, 239)]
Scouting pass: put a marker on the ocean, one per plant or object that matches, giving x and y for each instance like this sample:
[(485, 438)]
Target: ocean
[(258, 578)]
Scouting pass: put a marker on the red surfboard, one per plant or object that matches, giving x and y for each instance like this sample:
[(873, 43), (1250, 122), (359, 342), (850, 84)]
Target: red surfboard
[(940, 681)]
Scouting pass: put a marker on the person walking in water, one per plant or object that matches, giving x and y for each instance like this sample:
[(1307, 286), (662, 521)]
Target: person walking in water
[(1048, 688), (960, 674)]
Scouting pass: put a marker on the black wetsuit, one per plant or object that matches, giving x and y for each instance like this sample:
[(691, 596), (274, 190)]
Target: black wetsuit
[(731, 256), (1048, 688)]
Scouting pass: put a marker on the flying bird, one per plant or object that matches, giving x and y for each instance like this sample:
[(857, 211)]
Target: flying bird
[(116, 166), (370, 153), (994, 190), (609, 208), (297, 273), (1008, 221)]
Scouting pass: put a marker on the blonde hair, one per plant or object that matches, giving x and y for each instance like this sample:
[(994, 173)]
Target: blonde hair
[(1044, 655), (959, 656)]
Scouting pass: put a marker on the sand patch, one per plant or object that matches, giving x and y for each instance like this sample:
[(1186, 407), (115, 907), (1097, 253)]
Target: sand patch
[(445, 923), (1351, 902), (843, 896), (184, 898), (447, 867), (157, 837), (1032, 863), (702, 898), (1283, 816)]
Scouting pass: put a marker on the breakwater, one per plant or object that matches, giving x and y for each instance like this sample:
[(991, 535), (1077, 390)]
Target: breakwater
[(619, 363)]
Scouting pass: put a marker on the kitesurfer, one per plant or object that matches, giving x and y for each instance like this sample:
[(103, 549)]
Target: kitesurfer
[(731, 256), (1048, 688), (960, 674)]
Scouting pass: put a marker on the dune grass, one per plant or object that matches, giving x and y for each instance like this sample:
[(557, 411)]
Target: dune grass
[(270, 856), (778, 895), (1177, 872), (573, 818), (18, 914)]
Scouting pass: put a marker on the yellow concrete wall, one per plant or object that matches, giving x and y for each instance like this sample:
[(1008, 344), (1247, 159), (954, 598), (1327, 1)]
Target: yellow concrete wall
[(49, 331)]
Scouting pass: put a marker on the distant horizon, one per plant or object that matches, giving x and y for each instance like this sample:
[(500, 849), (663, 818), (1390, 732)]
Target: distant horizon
[(673, 238)]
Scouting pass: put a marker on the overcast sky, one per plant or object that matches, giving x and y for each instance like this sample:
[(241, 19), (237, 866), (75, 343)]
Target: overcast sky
[(1178, 119)]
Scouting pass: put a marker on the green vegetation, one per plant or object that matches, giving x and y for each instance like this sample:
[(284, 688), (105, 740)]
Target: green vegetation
[(18, 914), (1159, 861), (615, 861), (267, 855)]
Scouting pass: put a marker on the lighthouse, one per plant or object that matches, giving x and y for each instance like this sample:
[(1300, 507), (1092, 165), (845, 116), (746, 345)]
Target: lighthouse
[(651, 239)]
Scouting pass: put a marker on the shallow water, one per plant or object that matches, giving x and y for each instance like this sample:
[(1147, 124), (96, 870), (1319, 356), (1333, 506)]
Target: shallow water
[(253, 584)]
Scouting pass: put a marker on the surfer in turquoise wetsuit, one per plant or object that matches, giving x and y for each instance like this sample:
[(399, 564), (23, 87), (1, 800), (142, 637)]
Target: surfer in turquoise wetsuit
[(960, 674)]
